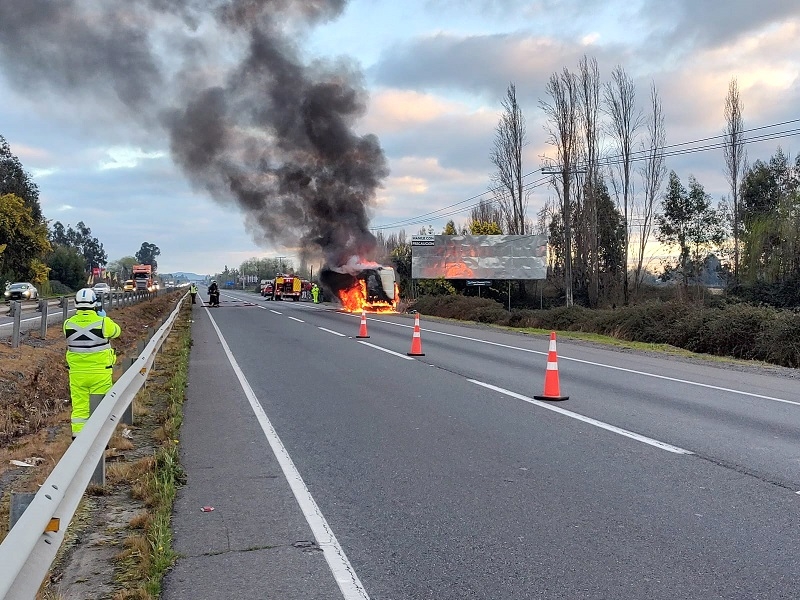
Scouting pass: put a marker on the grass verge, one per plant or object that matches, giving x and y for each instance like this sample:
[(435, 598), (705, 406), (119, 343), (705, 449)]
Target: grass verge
[(148, 553)]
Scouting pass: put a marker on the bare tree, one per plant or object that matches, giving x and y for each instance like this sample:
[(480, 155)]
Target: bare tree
[(486, 212), (562, 114), (620, 104), (589, 82), (652, 171), (506, 156), (735, 160)]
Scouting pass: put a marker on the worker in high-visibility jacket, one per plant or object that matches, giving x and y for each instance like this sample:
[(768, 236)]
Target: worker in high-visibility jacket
[(315, 293), (90, 357)]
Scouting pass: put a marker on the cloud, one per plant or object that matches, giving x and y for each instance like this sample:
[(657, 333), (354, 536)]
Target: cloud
[(690, 24), (127, 158)]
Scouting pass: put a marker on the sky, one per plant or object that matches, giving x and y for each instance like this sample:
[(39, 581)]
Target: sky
[(88, 121)]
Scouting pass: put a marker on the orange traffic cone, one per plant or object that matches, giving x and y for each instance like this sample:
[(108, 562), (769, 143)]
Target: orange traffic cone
[(552, 389), (416, 340), (362, 333)]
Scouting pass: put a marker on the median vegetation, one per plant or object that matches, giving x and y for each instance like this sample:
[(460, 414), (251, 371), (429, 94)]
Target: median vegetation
[(148, 552)]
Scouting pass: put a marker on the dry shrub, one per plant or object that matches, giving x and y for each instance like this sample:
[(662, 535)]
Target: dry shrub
[(140, 521)]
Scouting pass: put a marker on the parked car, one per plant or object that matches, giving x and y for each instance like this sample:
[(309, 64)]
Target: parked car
[(21, 291), (129, 286), (101, 289)]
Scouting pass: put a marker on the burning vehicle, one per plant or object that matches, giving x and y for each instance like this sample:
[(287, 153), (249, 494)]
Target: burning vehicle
[(370, 287)]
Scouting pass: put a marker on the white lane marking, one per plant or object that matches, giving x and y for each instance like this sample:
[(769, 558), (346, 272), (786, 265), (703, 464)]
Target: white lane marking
[(296, 319), (275, 311), (332, 331), (605, 366), (340, 566), (50, 314), (403, 356), (589, 420)]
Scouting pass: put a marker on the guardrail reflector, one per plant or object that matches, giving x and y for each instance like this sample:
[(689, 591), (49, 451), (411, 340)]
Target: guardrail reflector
[(53, 524)]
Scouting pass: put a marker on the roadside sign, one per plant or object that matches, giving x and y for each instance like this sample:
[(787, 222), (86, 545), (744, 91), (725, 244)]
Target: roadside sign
[(478, 282), (422, 240)]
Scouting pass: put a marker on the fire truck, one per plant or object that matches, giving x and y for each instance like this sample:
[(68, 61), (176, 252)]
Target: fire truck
[(283, 286), (143, 277)]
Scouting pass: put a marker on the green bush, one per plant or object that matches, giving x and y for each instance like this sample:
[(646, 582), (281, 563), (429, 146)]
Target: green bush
[(719, 328), (780, 342), (55, 288)]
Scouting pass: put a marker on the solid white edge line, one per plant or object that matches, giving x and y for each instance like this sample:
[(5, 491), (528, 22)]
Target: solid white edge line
[(332, 331), (403, 356), (603, 366), (296, 319), (340, 566), (589, 420), (35, 318)]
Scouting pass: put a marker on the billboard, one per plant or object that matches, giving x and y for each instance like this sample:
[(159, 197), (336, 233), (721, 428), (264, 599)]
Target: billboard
[(479, 256)]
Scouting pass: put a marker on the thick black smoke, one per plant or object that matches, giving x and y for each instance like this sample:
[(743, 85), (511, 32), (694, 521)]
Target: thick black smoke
[(248, 120)]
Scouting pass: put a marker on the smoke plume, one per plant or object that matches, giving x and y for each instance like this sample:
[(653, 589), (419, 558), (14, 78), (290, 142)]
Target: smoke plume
[(248, 120)]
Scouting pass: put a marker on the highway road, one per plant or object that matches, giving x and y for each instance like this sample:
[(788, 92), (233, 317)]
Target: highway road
[(31, 318), (342, 468)]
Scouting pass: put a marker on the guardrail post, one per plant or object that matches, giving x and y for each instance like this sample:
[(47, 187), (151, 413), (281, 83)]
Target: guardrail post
[(127, 416), (64, 308), (99, 475), (16, 311), (19, 502), (43, 308)]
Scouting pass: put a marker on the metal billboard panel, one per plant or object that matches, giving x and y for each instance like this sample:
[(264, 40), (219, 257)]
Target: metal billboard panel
[(479, 257)]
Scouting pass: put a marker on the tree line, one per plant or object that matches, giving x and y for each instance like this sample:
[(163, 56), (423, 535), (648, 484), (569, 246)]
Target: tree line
[(47, 253), (613, 198)]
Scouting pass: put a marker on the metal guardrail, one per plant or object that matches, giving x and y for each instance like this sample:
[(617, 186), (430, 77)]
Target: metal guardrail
[(110, 301), (29, 549)]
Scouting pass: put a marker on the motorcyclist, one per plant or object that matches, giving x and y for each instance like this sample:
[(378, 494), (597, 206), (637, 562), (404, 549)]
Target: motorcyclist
[(213, 293)]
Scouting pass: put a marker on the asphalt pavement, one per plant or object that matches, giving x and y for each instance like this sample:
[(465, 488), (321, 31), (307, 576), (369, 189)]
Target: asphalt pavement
[(341, 468)]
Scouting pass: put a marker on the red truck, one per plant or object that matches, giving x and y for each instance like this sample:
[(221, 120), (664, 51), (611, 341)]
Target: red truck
[(283, 286), (143, 277)]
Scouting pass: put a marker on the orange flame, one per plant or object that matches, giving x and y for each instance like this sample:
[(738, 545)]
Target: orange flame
[(354, 300)]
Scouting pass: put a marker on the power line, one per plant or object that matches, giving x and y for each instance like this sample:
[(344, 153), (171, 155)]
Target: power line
[(677, 149)]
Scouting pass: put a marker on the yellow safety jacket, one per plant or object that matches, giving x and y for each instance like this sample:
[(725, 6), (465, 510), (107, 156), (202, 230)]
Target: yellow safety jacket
[(88, 347), (193, 289)]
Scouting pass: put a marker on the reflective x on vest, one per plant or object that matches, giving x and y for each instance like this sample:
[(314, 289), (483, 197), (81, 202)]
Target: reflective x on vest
[(86, 339)]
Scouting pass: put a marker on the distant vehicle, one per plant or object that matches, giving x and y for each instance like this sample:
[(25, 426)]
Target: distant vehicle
[(21, 291), (101, 289), (287, 286), (143, 276), (129, 286)]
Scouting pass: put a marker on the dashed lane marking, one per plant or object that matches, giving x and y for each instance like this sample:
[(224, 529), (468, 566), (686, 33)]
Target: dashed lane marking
[(573, 415)]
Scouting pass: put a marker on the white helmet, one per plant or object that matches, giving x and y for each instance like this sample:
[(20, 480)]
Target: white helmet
[(85, 299)]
